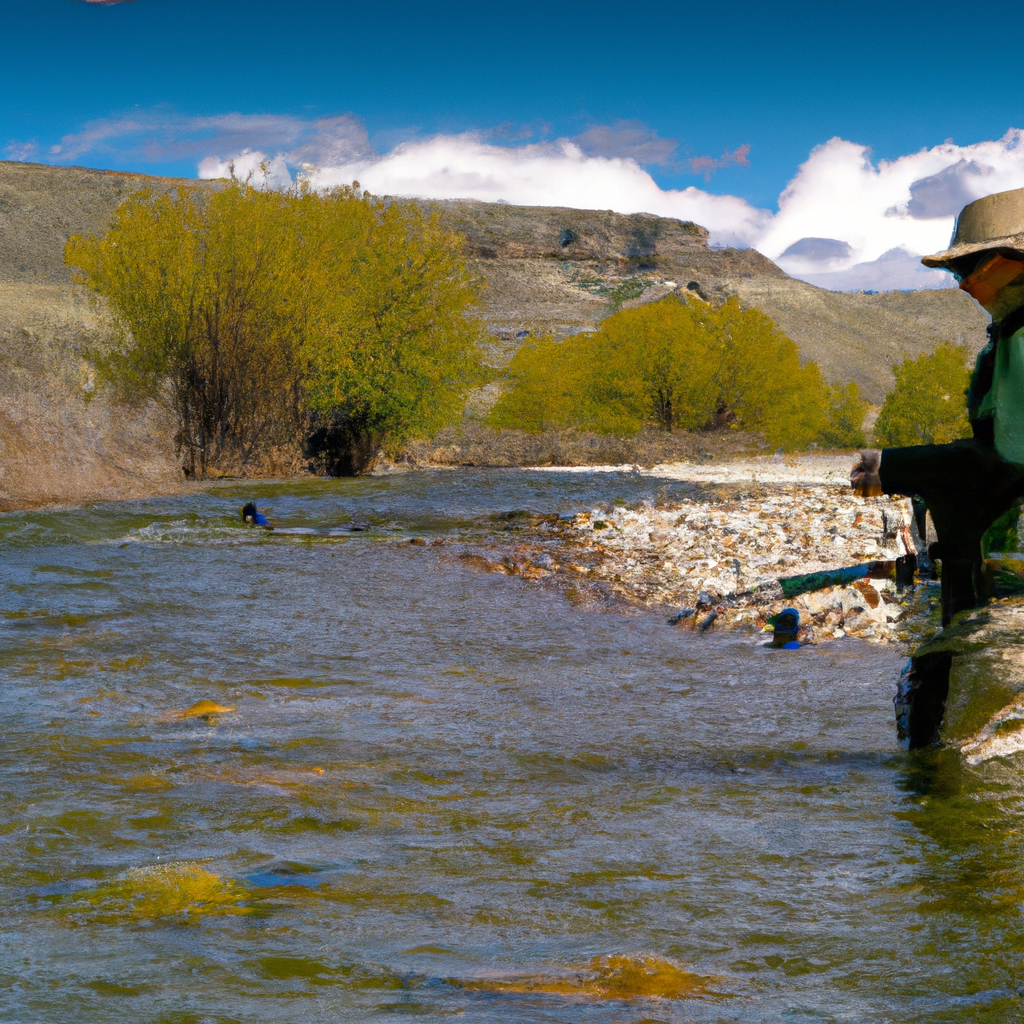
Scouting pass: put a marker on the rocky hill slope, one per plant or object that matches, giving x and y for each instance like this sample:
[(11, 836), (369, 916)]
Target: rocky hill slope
[(563, 270), (547, 269)]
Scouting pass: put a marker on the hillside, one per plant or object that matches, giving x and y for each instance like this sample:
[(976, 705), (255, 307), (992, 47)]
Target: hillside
[(559, 270), (547, 269)]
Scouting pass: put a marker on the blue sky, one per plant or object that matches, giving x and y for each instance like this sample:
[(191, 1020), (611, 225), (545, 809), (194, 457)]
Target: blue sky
[(728, 99)]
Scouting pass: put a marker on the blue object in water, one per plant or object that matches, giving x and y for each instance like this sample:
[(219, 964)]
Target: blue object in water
[(253, 517), (786, 625)]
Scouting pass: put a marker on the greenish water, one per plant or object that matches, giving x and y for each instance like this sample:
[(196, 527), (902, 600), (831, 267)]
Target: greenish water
[(436, 783)]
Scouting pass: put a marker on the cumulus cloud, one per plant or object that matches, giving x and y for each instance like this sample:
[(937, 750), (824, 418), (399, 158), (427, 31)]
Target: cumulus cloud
[(538, 174), (252, 167), (843, 221), (905, 204)]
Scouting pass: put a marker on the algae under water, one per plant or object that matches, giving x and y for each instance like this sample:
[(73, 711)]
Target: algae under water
[(324, 774)]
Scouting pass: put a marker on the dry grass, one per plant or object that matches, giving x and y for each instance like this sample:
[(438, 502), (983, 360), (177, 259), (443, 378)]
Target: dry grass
[(473, 444)]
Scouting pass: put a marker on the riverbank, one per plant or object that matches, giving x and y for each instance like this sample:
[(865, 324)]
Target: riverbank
[(712, 556)]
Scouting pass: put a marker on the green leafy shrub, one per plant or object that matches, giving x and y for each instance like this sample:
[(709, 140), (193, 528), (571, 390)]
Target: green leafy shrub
[(679, 364), (255, 313), (928, 405)]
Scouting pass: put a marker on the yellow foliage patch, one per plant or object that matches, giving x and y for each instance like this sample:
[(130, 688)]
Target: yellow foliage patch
[(200, 709), (679, 364), (609, 977)]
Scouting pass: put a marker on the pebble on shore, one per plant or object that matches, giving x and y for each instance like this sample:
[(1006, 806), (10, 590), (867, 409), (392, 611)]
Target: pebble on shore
[(714, 555)]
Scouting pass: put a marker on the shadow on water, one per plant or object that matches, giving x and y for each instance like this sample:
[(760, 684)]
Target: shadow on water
[(969, 885)]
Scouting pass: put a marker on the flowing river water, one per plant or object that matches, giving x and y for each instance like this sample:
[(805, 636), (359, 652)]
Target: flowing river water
[(447, 793)]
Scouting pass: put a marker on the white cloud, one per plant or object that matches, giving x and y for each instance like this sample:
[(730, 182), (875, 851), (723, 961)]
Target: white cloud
[(910, 202), (840, 211), (21, 150), (538, 174), (838, 216), (841, 220), (160, 135)]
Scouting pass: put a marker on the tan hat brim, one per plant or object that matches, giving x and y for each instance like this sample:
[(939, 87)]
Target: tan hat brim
[(942, 260)]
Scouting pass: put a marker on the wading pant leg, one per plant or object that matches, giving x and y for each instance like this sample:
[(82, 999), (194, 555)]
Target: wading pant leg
[(966, 486)]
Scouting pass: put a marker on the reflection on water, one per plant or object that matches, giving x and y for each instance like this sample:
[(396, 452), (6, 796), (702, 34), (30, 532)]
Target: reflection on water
[(422, 789)]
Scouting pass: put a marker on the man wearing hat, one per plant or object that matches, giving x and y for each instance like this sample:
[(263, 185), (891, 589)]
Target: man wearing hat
[(968, 484)]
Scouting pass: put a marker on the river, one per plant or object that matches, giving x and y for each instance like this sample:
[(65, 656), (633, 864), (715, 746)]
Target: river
[(443, 792)]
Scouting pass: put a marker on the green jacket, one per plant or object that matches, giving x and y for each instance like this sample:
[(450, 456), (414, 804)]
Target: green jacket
[(997, 386)]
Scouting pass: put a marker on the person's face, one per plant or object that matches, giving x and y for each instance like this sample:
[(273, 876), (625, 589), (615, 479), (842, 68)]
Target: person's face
[(997, 283)]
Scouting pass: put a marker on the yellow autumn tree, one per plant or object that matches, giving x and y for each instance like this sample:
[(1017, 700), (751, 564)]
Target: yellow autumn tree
[(542, 387), (391, 347), (680, 364), (928, 405), (262, 316), (656, 364)]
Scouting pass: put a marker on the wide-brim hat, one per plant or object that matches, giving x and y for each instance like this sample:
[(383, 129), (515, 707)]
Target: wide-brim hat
[(994, 222)]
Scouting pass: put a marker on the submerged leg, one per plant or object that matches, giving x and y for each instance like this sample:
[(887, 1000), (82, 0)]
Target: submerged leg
[(920, 699)]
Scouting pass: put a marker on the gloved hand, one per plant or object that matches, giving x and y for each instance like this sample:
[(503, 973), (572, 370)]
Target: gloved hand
[(864, 478)]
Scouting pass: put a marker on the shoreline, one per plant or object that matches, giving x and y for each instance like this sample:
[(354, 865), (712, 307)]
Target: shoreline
[(119, 485), (711, 557)]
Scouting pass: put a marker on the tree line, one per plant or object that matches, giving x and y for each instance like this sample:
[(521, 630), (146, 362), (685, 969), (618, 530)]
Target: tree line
[(350, 323), (680, 363)]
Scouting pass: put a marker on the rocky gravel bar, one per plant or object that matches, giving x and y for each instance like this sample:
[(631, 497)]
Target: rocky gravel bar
[(712, 562)]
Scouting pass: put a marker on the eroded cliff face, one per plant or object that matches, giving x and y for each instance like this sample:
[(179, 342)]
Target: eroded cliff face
[(562, 270), (61, 441)]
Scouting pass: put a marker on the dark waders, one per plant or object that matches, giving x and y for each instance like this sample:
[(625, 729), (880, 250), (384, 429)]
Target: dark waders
[(967, 487)]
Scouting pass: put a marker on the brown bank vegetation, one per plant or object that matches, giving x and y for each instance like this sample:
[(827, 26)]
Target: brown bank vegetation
[(264, 320)]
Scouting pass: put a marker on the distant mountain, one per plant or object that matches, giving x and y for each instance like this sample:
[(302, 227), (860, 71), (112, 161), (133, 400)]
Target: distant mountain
[(898, 268)]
